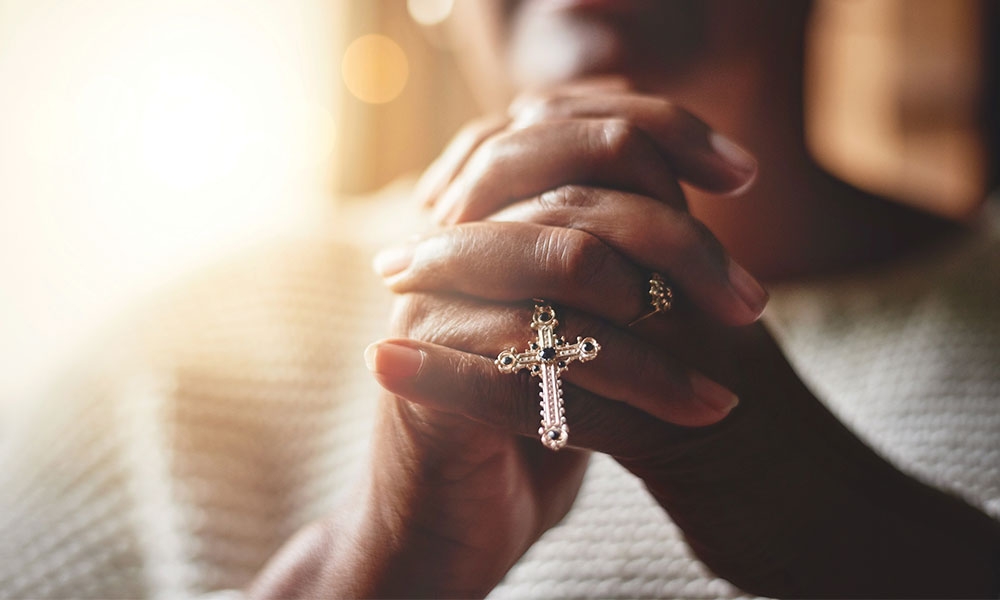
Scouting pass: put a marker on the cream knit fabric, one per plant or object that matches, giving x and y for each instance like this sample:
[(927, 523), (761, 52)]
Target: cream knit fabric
[(192, 442)]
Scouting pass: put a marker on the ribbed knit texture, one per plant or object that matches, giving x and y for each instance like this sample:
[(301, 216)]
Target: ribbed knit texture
[(193, 441)]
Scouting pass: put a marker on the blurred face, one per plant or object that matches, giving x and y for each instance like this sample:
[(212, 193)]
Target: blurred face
[(656, 43), (556, 40)]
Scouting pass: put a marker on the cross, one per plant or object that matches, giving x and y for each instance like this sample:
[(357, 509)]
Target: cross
[(547, 357)]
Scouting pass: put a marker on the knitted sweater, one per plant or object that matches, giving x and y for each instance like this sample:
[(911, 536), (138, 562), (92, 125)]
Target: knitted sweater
[(204, 431)]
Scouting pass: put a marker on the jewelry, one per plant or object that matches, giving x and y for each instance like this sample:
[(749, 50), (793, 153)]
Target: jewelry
[(546, 358), (661, 297)]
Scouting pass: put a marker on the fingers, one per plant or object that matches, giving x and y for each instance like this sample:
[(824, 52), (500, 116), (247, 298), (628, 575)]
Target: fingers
[(518, 261), (454, 382), (589, 249), (670, 242), (518, 164), (699, 155), (689, 149), (443, 170), (628, 370)]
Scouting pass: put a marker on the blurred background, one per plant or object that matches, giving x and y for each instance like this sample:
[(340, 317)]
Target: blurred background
[(142, 138)]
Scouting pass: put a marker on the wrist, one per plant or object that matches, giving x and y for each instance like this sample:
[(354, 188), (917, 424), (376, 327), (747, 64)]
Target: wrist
[(783, 500), (436, 522), (372, 547)]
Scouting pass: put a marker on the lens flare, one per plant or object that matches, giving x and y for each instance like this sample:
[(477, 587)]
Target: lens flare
[(375, 69), (429, 12)]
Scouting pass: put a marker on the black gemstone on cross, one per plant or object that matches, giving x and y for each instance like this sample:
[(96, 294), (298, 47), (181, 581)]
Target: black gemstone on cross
[(555, 434), (534, 368), (562, 363), (547, 354), (533, 346), (544, 316), (588, 347), (507, 360)]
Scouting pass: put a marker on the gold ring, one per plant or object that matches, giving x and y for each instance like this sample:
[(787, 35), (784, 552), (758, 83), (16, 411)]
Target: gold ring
[(661, 297)]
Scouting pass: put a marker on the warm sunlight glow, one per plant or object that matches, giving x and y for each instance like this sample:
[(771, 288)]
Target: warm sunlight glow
[(429, 12), (139, 139), (375, 69)]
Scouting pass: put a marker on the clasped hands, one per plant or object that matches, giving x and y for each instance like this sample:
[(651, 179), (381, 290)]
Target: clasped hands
[(574, 198)]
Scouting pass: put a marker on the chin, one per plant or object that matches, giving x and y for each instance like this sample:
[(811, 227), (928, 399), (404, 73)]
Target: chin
[(552, 48), (553, 41)]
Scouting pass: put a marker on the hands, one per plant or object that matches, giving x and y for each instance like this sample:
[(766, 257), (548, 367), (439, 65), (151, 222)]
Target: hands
[(553, 233), (456, 493), (580, 202), (464, 296)]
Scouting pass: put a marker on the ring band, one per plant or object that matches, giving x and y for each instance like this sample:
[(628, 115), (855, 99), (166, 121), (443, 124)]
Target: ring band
[(661, 297)]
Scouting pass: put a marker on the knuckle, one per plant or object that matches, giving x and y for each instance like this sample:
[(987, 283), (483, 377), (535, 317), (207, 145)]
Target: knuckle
[(577, 256), (567, 196), (532, 100), (548, 248), (481, 159), (473, 132), (617, 139), (445, 321), (592, 262), (544, 107), (487, 157)]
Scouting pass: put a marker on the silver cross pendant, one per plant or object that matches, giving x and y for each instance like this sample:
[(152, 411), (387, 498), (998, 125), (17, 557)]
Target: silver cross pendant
[(547, 357)]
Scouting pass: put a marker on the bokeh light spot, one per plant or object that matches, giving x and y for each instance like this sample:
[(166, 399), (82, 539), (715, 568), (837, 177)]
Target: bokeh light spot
[(375, 69), (429, 12)]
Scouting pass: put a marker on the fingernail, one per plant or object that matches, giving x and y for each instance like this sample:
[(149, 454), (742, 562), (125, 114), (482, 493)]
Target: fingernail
[(393, 259), (735, 156), (712, 394), (394, 360), (753, 295)]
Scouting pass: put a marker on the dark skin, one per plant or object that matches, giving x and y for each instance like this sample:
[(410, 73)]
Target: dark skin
[(576, 196)]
